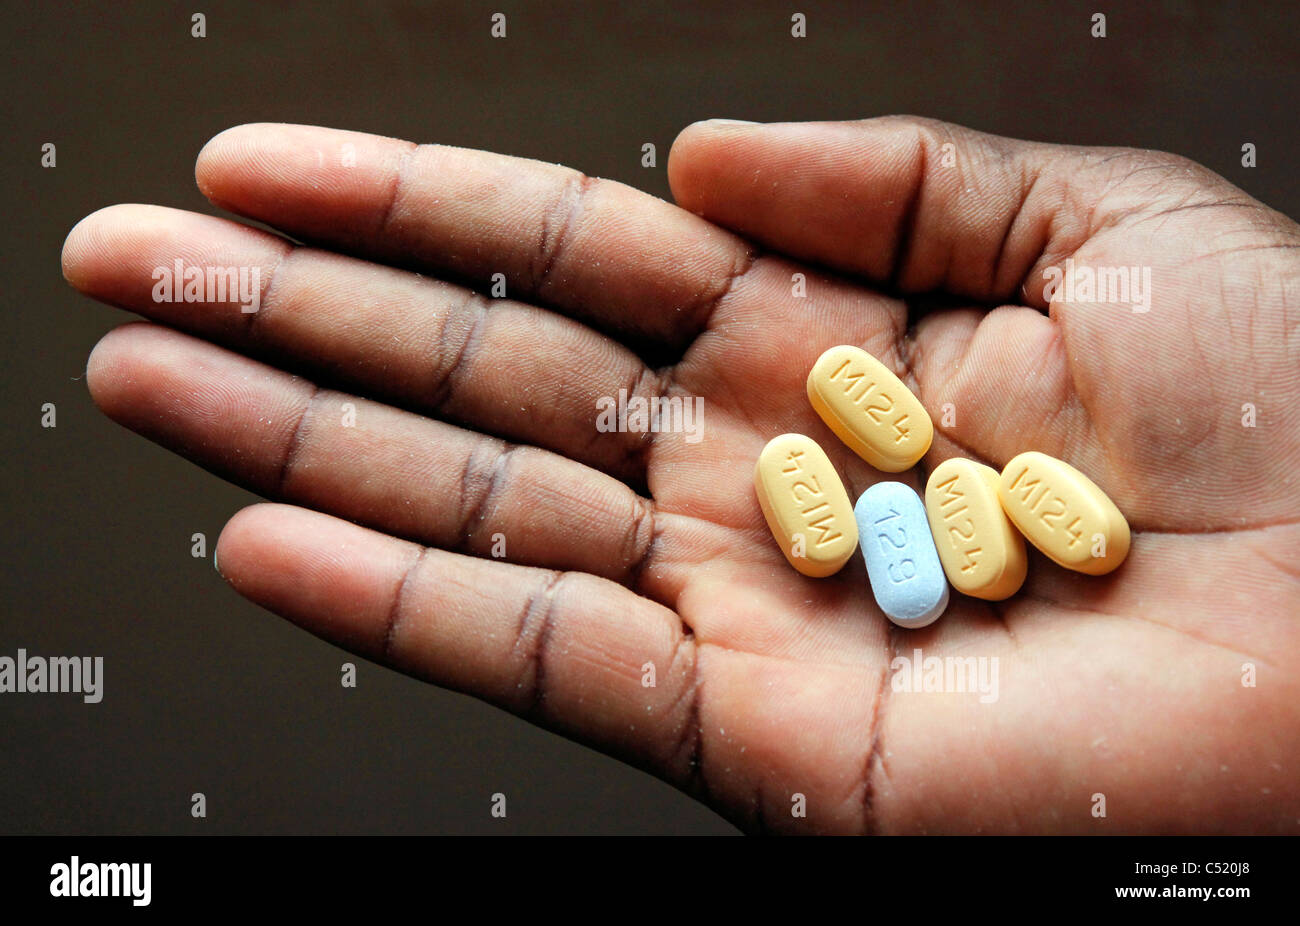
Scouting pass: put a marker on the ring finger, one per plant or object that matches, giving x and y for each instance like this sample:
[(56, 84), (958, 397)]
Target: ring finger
[(393, 470)]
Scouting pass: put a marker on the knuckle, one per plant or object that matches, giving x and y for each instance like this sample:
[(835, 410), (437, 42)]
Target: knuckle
[(532, 641), (557, 227), (483, 481)]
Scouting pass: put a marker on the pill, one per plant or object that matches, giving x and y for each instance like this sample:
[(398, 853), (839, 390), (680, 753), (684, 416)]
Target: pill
[(982, 553), (1063, 513), (869, 408), (902, 562), (805, 505)]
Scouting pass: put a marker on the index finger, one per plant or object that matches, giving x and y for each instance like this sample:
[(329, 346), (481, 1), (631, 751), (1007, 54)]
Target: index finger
[(594, 249)]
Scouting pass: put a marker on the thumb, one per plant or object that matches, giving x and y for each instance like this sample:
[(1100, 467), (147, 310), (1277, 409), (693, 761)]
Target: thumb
[(916, 205)]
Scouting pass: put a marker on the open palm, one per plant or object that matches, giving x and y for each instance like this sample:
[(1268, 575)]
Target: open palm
[(621, 587)]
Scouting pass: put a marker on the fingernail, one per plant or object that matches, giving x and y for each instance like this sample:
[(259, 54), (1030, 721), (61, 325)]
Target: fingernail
[(215, 565), (731, 122)]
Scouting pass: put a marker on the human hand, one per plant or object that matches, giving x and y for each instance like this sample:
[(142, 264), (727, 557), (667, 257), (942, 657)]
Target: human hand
[(623, 550)]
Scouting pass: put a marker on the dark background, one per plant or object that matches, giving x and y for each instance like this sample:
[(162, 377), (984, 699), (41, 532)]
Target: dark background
[(206, 692)]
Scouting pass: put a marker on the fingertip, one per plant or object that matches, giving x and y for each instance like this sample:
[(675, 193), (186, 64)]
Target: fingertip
[(84, 241), (703, 157), (268, 533), (303, 177), (263, 541), (327, 575), (238, 543), (75, 246), (242, 532), (92, 255), (102, 367), (234, 540), (235, 157), (226, 148), (689, 150), (109, 367)]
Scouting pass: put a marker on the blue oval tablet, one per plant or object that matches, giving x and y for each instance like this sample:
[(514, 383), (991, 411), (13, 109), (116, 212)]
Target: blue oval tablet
[(906, 575)]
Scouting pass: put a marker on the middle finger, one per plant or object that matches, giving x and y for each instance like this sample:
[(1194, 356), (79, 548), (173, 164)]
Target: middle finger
[(499, 366)]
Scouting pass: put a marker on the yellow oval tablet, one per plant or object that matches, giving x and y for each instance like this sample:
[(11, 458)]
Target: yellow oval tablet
[(982, 553), (805, 505), (869, 408), (1063, 513)]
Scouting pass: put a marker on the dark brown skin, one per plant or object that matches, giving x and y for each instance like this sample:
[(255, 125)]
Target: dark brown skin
[(626, 549)]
